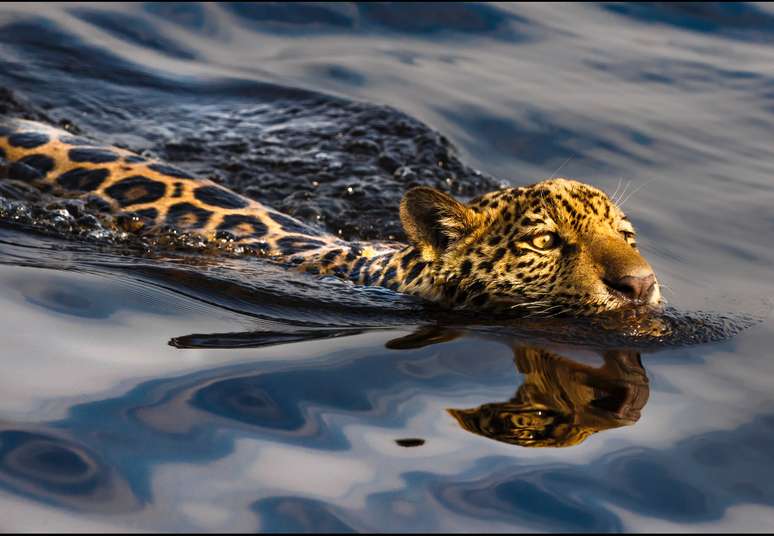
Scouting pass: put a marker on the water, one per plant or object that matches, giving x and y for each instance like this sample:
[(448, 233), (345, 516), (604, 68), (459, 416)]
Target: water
[(168, 388)]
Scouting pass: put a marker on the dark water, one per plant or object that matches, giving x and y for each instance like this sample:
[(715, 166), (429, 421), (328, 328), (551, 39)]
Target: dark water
[(150, 387)]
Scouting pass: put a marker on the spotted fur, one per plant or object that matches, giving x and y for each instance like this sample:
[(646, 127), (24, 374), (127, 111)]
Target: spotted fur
[(485, 254)]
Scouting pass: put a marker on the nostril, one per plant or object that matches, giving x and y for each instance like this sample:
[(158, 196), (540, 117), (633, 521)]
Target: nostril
[(633, 287), (621, 286)]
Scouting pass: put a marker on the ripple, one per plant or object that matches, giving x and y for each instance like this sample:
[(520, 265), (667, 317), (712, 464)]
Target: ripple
[(136, 30), (742, 21), (56, 469)]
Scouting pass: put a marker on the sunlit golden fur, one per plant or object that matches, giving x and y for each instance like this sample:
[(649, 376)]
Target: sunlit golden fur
[(483, 252), (555, 247)]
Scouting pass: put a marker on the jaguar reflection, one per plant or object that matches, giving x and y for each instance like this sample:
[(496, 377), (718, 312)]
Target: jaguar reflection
[(560, 402)]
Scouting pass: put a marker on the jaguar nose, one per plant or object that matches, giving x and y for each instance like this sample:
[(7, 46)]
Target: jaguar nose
[(638, 288)]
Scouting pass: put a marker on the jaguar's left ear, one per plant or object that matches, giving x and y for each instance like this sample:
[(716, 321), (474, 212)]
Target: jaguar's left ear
[(433, 219)]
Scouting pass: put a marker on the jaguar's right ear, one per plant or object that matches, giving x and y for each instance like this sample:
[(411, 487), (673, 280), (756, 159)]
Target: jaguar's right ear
[(433, 220)]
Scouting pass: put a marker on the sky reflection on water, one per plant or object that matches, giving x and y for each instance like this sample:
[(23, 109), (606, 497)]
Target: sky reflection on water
[(123, 405)]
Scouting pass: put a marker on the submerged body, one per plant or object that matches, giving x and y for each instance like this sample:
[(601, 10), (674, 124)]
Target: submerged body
[(558, 246)]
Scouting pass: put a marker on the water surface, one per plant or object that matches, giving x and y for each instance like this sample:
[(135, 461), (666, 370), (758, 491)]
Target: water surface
[(174, 389)]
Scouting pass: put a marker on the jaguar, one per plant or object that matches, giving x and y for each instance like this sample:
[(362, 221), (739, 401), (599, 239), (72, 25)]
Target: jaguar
[(556, 247)]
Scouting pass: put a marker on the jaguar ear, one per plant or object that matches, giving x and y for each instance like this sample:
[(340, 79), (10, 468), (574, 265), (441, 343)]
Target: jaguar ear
[(433, 219)]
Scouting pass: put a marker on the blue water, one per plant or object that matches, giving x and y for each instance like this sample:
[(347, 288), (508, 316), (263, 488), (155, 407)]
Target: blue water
[(182, 392)]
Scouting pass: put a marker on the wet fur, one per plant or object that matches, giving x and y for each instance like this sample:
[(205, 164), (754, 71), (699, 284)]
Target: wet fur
[(474, 255)]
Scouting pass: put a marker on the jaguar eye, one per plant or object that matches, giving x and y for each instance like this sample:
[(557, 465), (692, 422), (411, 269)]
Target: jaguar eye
[(545, 241), (630, 238)]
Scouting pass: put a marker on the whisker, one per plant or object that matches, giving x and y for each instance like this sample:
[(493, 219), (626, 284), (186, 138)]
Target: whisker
[(666, 287), (623, 192), (553, 175), (635, 191), (618, 187)]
